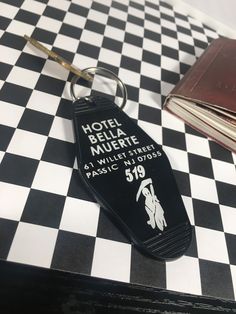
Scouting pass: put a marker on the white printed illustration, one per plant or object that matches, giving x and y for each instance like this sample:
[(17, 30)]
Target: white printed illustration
[(152, 205)]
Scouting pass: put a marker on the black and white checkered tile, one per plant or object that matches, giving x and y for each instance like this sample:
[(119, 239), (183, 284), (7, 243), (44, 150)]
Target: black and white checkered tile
[(47, 217)]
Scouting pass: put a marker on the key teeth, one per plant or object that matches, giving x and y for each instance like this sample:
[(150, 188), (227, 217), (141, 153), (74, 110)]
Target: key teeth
[(171, 243)]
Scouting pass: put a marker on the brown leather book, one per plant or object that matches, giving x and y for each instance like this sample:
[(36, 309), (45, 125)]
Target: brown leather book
[(205, 98)]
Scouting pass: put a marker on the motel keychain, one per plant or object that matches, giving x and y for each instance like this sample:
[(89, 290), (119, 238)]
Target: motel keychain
[(127, 172)]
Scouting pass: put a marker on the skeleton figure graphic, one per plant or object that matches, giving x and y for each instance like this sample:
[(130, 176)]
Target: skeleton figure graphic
[(152, 205)]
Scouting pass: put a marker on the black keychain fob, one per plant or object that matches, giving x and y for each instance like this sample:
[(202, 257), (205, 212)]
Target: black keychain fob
[(130, 176)]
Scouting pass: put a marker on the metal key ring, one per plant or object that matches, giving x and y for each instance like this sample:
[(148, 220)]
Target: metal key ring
[(107, 73)]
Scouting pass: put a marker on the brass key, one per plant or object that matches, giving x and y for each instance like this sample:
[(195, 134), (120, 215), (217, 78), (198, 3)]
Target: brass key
[(63, 62)]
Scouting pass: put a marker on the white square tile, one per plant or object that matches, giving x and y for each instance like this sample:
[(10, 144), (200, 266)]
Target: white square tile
[(149, 98), (151, 45), (186, 58), (211, 245), (183, 275), (113, 32), (82, 61), (20, 28), (131, 108), (197, 145), (63, 5), (129, 77), (121, 15), (74, 20), (33, 6), (166, 88), (97, 16), (153, 130), (43, 102), (224, 171), (134, 29), (13, 198), (54, 69), (7, 10), (111, 260), (80, 216), (170, 64), (188, 203), (228, 216), (9, 55), (66, 42), (113, 57), (1, 156), (178, 158), (132, 51), (33, 245), (10, 115), (52, 178), (23, 77), (47, 23), (203, 188), (170, 121), (104, 85), (91, 38), (27, 144), (150, 70), (62, 129)]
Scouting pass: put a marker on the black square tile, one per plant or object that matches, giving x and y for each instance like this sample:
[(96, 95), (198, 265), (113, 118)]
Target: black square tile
[(15, 94), (119, 6), (151, 57), (44, 36), (73, 252), (30, 62), (109, 67), (6, 135), (207, 215), (50, 85), (77, 188), (167, 17), (59, 152), (216, 280), (64, 109), (18, 170), (231, 246), (7, 232), (152, 35), (54, 13), (135, 20), (109, 229), (130, 64), (200, 165), (183, 182), (133, 40), (112, 44), (226, 193), (27, 17), (186, 48), (68, 55), (88, 50), (149, 114), (136, 5), (112, 21), (133, 92), (35, 121), (197, 28), (153, 5), (95, 27), (181, 16), (43, 208), (190, 130), (78, 9), (174, 139), (12, 41), (192, 249), (184, 67), (17, 3), (150, 84), (147, 271), (71, 31), (4, 22), (152, 18), (5, 69), (168, 32), (183, 30), (169, 76), (200, 44), (220, 153), (170, 52), (100, 7)]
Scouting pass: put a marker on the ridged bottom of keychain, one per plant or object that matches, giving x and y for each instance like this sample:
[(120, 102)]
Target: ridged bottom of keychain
[(130, 176)]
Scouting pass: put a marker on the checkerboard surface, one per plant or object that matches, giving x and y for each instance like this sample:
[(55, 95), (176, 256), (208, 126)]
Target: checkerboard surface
[(47, 217)]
